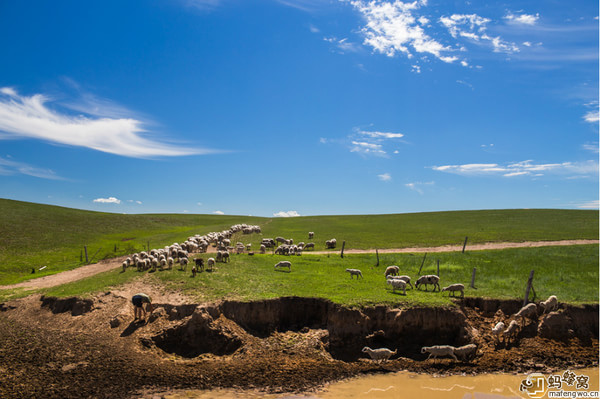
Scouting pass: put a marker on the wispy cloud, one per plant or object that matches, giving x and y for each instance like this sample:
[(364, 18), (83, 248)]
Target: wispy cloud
[(343, 45), (592, 116), (288, 214), (523, 168), (525, 19), (218, 212), (385, 177), (416, 186), (31, 117), (203, 5), (304, 5), (591, 147), (366, 148), (109, 200), (9, 167), (594, 204)]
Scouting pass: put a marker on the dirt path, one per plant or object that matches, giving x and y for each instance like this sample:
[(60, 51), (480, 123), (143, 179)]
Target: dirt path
[(110, 264)]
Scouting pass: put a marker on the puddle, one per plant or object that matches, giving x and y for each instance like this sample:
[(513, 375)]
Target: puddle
[(405, 385)]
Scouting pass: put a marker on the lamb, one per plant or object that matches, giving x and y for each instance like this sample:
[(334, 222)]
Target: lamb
[(511, 331), (284, 263), (439, 350), (311, 235), (183, 263), (397, 284), (549, 304), (455, 287), (497, 330), (210, 263), (354, 272), (406, 279), (381, 354), (263, 248), (529, 311), (428, 279), (466, 352), (199, 264), (392, 271), (124, 265)]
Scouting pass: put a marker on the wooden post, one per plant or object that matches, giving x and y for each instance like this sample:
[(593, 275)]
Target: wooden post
[(422, 263), (529, 282), (473, 277), (465, 244), (86, 255), (343, 245), (377, 253), (438, 268)]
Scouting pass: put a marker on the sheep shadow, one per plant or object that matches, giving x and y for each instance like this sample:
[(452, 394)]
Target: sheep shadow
[(283, 271)]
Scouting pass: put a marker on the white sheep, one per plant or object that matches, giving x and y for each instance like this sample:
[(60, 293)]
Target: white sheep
[(284, 263), (125, 265), (549, 304), (170, 262), (439, 350), (454, 288), (392, 271), (466, 352), (309, 245), (210, 263), (428, 279), (529, 311), (511, 331), (311, 235), (381, 354), (330, 244), (354, 272), (497, 330), (397, 284), (183, 263), (406, 279)]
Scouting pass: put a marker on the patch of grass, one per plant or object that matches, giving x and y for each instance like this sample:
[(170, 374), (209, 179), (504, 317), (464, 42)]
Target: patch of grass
[(571, 273)]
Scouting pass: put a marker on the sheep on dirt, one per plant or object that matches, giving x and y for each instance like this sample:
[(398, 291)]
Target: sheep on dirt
[(381, 354), (406, 279), (466, 352), (392, 271), (439, 350), (354, 272), (549, 304), (529, 311), (498, 330), (512, 331), (428, 279), (397, 284), (454, 288), (284, 263)]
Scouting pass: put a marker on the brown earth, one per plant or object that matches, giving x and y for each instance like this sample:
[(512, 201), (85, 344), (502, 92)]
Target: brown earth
[(65, 348), (110, 264)]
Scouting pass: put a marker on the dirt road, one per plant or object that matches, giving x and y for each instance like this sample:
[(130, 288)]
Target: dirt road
[(109, 264)]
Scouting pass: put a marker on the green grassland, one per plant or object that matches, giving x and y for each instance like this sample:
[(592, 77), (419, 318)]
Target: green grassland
[(571, 273)]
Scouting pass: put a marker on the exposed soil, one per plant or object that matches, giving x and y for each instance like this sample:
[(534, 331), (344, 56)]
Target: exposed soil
[(110, 264), (60, 348)]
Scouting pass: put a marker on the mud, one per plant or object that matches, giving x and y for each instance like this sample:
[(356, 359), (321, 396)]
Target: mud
[(92, 348)]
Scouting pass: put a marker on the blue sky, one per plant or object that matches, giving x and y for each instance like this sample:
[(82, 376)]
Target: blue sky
[(299, 107)]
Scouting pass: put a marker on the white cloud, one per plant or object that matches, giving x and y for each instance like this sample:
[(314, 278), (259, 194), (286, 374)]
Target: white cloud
[(9, 167), (595, 204), (592, 116), (109, 200), (218, 212), (473, 27), (385, 177), (523, 168), (367, 148), (525, 19), (381, 135), (343, 45), (313, 28), (288, 214), (23, 117), (591, 147), (416, 186), (199, 203)]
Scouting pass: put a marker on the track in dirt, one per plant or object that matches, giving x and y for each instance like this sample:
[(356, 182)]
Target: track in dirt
[(110, 264)]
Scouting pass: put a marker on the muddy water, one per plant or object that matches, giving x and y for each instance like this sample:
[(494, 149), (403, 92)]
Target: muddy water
[(404, 385)]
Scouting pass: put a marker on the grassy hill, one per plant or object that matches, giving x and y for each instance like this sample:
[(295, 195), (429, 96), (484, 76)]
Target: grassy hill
[(35, 235)]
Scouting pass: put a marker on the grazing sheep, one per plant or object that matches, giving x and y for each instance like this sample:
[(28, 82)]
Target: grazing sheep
[(284, 263), (210, 263), (406, 279), (511, 331), (455, 287), (280, 240), (310, 245), (439, 350), (428, 279), (311, 235), (381, 354), (466, 352), (199, 264), (397, 284), (125, 265), (392, 271), (183, 263), (330, 244), (170, 262), (529, 311), (549, 304), (263, 248), (497, 330), (354, 272)]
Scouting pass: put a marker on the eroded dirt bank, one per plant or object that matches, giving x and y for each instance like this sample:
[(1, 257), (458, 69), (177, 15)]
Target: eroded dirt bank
[(91, 348)]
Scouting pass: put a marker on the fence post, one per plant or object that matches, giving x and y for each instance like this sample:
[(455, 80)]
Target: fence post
[(529, 282), (86, 255), (473, 277), (343, 245), (465, 244), (377, 253)]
